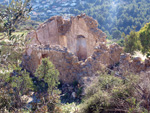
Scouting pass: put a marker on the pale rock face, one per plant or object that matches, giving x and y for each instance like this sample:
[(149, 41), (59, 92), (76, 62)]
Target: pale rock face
[(76, 47), (79, 34)]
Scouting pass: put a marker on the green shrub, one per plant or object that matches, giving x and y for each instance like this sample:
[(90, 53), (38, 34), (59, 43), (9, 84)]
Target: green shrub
[(96, 102), (121, 42), (12, 88), (113, 94), (138, 40), (132, 42), (69, 108), (144, 37), (47, 75)]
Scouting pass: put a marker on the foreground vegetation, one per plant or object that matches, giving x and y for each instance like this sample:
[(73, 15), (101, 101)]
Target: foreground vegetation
[(113, 94), (106, 94), (21, 92)]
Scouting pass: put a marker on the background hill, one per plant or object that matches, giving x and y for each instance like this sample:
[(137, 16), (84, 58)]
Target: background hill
[(119, 87), (114, 16)]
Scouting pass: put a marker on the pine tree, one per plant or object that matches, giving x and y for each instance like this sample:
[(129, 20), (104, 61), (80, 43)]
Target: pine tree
[(47, 72), (144, 37), (132, 42)]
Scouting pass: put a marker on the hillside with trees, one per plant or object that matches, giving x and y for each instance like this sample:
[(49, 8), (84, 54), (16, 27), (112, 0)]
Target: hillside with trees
[(138, 40), (117, 16), (108, 91)]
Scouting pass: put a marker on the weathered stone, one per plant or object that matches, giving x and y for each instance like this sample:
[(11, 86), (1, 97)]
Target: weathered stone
[(136, 65), (147, 62), (125, 57), (137, 59), (115, 51), (76, 47)]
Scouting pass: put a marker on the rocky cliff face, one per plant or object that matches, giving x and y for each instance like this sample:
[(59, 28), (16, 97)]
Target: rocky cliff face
[(76, 47)]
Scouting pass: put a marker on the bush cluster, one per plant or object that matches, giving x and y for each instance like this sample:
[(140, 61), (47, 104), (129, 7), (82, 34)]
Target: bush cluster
[(113, 94), (138, 40)]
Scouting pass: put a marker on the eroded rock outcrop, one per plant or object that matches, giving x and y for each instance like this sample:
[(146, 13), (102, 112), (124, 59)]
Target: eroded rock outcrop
[(76, 47), (134, 65)]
